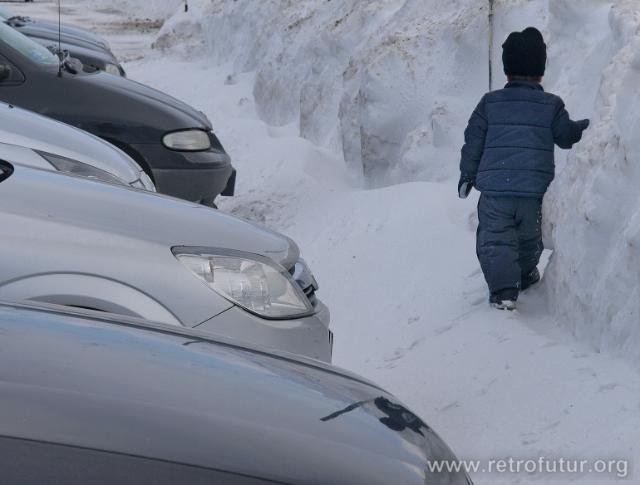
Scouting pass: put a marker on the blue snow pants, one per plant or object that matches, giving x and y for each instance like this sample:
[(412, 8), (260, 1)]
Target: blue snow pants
[(509, 239)]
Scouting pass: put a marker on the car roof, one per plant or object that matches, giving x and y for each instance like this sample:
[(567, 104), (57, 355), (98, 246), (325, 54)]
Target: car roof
[(175, 395)]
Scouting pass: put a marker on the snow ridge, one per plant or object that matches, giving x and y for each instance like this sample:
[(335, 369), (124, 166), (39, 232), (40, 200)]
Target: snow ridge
[(594, 276)]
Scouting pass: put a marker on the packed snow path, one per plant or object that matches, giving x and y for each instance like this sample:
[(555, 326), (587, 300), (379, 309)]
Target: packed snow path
[(397, 268)]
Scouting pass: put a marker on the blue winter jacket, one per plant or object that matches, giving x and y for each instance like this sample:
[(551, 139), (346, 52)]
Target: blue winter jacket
[(510, 139)]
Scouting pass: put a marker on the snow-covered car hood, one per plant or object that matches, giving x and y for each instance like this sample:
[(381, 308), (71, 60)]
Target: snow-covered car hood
[(49, 30), (114, 210), (79, 50), (25, 128)]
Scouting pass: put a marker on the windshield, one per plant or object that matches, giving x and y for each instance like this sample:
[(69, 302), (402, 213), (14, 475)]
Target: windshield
[(26, 46), (5, 13)]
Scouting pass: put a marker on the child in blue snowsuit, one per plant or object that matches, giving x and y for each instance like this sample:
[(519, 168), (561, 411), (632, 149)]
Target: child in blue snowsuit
[(508, 157)]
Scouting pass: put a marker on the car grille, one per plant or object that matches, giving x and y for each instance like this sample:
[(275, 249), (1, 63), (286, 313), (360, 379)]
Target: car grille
[(310, 291), (303, 277)]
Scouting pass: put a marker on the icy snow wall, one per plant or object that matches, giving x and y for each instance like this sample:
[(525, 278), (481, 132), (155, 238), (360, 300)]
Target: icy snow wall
[(390, 85), (593, 281), (387, 83)]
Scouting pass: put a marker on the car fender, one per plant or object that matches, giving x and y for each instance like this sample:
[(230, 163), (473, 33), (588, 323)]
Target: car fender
[(87, 291)]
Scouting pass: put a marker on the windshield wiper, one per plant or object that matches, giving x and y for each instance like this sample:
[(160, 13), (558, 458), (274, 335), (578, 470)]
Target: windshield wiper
[(19, 19)]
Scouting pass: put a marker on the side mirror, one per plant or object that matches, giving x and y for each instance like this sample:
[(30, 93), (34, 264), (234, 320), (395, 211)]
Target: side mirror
[(5, 72)]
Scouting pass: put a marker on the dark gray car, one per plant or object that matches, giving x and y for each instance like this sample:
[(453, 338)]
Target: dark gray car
[(91, 49), (170, 140), (102, 401)]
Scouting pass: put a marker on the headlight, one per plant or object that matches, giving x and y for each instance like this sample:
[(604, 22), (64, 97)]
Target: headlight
[(80, 169), (252, 282), (187, 140), (112, 69)]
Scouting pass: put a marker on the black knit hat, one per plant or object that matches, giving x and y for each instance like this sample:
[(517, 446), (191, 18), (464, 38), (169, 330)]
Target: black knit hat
[(524, 53)]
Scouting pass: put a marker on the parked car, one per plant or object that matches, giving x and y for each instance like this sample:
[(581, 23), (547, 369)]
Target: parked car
[(79, 242), (93, 50), (171, 141), (58, 146), (106, 401)]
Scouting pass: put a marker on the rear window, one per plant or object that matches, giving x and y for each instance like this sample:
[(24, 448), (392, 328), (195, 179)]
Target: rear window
[(26, 46)]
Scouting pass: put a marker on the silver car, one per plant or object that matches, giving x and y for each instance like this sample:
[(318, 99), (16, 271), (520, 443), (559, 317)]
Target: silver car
[(62, 147), (71, 241)]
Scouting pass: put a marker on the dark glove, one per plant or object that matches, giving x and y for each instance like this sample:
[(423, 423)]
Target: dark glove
[(465, 185), (583, 124)]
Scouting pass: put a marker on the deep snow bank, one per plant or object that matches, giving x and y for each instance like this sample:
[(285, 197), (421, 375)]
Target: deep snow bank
[(594, 277), (389, 84)]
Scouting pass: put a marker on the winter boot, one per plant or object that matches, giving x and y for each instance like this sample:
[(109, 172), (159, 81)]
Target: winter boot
[(530, 279), (504, 299)]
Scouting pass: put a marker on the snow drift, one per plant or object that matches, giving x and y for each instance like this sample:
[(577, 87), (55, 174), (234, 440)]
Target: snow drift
[(389, 85), (593, 282), (386, 83)]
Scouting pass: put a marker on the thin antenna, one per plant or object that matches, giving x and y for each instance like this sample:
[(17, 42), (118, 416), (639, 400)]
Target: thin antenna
[(59, 39), (491, 45)]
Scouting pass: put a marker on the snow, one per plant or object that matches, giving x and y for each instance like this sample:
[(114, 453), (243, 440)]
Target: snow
[(595, 208), (344, 120), (387, 86), (397, 267), (136, 9), (362, 79)]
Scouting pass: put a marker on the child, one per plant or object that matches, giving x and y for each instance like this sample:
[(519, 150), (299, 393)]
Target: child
[(508, 157)]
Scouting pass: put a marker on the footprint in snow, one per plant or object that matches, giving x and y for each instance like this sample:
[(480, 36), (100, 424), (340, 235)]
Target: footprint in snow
[(608, 387), (449, 407), (549, 427), (443, 330), (400, 352), (474, 273)]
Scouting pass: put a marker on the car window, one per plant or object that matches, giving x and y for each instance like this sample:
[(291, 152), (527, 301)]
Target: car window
[(26, 46), (28, 462)]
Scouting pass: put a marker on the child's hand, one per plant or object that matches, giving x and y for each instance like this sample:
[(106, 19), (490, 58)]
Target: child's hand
[(584, 124), (465, 185)]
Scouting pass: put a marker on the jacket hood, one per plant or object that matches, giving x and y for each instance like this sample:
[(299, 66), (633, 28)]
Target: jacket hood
[(119, 210), (31, 130), (198, 402)]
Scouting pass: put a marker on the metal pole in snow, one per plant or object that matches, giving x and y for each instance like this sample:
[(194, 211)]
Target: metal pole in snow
[(186, 5), (491, 45)]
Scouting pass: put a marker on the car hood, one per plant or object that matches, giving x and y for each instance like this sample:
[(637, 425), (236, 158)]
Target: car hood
[(79, 51), (192, 400), (134, 214), (25, 128), (132, 89), (49, 30)]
